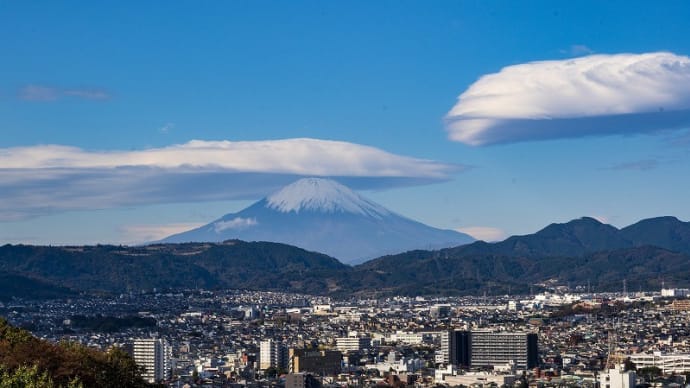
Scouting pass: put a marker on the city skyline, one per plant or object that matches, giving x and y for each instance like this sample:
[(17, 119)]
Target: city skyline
[(127, 124)]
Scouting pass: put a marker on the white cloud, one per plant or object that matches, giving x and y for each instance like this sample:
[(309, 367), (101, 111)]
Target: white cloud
[(49, 93), (603, 219), (236, 223), (579, 49), (485, 233), (44, 179), (166, 128), (638, 165), (38, 93), (139, 234), (591, 95)]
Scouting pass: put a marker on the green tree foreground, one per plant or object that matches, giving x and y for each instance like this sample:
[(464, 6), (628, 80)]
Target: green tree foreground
[(26, 361)]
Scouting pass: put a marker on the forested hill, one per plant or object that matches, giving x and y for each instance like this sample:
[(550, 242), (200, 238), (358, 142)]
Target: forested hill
[(580, 252), (26, 361), (233, 264)]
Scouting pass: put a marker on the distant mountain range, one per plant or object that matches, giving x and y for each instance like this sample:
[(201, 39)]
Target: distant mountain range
[(578, 252), (322, 215), (587, 235)]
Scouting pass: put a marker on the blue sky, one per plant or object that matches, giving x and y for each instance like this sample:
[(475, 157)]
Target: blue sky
[(124, 88)]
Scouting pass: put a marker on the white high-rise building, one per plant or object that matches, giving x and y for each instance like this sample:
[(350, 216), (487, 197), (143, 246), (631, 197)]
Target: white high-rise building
[(272, 354), (154, 355)]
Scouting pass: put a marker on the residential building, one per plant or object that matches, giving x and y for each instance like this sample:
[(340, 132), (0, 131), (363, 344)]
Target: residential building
[(322, 362), (616, 378), (352, 344), (301, 380), (272, 354), (499, 348), (154, 355), (455, 348), (668, 363), (466, 349)]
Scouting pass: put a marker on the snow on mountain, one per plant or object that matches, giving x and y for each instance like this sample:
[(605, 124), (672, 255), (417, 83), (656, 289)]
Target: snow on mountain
[(324, 216), (322, 195)]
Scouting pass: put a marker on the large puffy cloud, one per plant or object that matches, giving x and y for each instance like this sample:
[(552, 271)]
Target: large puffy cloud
[(591, 95), (43, 179)]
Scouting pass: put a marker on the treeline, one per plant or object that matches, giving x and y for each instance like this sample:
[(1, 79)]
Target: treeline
[(26, 361)]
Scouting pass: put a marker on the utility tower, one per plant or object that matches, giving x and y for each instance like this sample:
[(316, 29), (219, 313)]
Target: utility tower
[(614, 358)]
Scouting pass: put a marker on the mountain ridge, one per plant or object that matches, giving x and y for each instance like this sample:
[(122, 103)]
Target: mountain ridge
[(570, 253), (322, 215)]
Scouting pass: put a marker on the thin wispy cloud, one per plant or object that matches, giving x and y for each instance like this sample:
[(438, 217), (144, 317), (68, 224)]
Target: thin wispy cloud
[(166, 128), (42, 93), (38, 93), (44, 179), (87, 94), (484, 233), (579, 50), (593, 95), (679, 139), (638, 165), (138, 234), (603, 219), (236, 223)]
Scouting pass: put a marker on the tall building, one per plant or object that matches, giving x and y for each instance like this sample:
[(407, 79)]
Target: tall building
[(455, 348), (486, 348), (495, 348), (272, 354), (321, 362), (445, 347), (154, 355)]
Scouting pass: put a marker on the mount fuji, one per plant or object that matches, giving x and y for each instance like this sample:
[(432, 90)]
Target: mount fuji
[(323, 215)]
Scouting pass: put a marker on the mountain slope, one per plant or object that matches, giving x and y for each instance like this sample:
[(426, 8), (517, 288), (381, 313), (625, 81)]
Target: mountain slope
[(573, 238), (667, 232), (580, 252), (577, 252), (233, 264), (446, 272), (324, 216), (17, 285)]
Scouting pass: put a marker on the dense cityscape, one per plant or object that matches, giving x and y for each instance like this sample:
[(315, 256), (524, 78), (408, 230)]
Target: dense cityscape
[(251, 338)]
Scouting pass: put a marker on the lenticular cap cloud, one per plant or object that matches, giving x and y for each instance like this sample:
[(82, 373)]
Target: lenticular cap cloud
[(44, 179), (586, 96)]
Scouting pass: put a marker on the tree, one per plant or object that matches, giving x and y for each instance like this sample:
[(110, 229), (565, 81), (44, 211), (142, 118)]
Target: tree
[(628, 365), (25, 377), (271, 372), (27, 360), (650, 372)]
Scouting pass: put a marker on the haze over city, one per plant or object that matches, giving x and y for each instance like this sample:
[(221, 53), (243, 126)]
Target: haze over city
[(127, 124)]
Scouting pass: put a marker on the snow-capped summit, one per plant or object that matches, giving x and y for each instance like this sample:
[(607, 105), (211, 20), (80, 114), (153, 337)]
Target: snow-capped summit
[(323, 215), (322, 195)]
